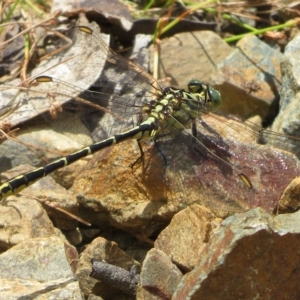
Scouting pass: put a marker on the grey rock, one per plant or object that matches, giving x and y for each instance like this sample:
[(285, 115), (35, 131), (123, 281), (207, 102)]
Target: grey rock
[(63, 289), (41, 259), (22, 219), (248, 79), (188, 56), (288, 121)]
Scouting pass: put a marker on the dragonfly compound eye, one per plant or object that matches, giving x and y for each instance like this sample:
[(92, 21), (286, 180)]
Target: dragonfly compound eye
[(215, 97), (195, 86)]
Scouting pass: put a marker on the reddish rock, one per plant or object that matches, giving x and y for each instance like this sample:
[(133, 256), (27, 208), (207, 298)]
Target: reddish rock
[(252, 255)]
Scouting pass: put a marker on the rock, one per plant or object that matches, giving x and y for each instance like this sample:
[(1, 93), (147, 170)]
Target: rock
[(74, 237), (244, 74), (287, 121), (134, 247), (33, 289), (184, 239), (22, 219), (248, 79), (290, 201), (286, 223), (41, 144), (142, 199), (40, 266), (88, 234), (253, 254), (260, 163), (30, 259), (60, 204), (190, 55), (159, 277)]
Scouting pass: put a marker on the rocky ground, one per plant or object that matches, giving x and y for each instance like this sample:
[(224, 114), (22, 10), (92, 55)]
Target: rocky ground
[(184, 228)]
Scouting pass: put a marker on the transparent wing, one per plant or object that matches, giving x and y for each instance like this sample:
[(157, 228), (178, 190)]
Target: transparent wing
[(249, 131), (122, 89), (121, 73)]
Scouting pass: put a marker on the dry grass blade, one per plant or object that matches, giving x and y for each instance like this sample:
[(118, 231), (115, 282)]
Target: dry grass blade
[(61, 210)]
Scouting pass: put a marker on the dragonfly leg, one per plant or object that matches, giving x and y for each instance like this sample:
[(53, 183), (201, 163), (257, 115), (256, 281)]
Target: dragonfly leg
[(216, 139), (140, 158)]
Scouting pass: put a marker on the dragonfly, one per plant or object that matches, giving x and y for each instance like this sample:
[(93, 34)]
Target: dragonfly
[(150, 112)]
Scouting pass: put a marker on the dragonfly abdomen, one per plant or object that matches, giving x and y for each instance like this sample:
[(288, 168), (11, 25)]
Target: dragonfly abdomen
[(145, 130)]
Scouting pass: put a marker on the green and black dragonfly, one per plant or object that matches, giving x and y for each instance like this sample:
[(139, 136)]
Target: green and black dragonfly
[(151, 111)]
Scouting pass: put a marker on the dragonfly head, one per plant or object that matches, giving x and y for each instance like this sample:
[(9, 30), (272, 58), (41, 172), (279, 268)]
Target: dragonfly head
[(212, 97)]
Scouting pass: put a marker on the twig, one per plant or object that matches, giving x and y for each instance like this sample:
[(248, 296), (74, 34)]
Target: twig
[(116, 277)]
